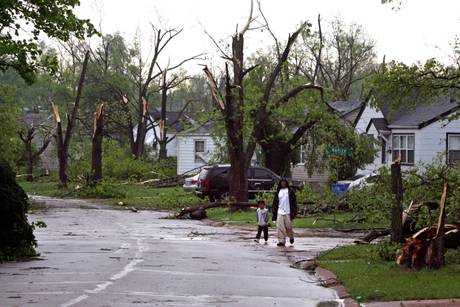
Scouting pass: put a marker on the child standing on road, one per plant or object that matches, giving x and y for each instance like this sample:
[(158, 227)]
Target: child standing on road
[(262, 221)]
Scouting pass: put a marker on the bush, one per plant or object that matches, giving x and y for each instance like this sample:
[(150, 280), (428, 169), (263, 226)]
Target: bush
[(165, 168), (452, 256), (422, 184), (388, 250), (16, 234), (103, 189), (373, 203), (307, 196), (117, 163)]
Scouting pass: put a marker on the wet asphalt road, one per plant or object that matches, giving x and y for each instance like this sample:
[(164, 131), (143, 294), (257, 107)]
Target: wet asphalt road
[(94, 256)]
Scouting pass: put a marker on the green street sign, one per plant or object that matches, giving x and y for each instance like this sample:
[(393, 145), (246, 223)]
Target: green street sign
[(338, 151)]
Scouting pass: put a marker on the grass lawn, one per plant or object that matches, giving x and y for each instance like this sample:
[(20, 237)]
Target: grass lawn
[(368, 278), (141, 197), (342, 220)]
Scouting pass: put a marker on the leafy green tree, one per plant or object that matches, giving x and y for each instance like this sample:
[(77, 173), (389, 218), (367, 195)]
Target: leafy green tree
[(9, 113), (339, 59), (16, 234), (399, 84), (21, 24), (321, 67)]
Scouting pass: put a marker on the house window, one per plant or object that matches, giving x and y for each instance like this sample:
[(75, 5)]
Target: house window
[(453, 148), (199, 151), (404, 147)]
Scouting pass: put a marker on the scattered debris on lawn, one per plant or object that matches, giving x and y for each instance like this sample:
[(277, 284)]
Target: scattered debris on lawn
[(198, 212)]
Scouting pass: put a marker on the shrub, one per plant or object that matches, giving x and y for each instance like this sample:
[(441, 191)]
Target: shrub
[(103, 189), (16, 234), (307, 195), (422, 184), (117, 163), (388, 250), (165, 168), (373, 203), (452, 256)]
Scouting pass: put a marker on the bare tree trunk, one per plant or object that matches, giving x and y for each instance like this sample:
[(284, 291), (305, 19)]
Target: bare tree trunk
[(63, 138), (141, 129), (62, 155), (30, 161), (435, 251), (163, 152), (163, 139), (238, 182), (29, 155), (397, 210), (96, 155)]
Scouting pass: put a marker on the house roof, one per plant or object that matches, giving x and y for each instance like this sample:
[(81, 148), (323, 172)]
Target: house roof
[(174, 119), (380, 124), (422, 115), (345, 107), (198, 129)]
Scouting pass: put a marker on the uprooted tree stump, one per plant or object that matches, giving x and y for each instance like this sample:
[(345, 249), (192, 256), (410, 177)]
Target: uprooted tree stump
[(426, 248)]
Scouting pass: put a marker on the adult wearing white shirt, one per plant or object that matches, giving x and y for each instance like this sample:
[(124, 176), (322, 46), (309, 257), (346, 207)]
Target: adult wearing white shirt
[(284, 211)]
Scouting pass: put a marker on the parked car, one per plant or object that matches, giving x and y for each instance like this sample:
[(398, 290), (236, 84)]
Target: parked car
[(191, 183), (213, 181), (340, 188)]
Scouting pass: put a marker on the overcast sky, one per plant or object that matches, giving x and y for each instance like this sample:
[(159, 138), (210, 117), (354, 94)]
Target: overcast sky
[(419, 30)]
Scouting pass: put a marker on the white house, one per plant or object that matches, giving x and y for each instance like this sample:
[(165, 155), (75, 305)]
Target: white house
[(418, 136), (195, 147), (190, 142)]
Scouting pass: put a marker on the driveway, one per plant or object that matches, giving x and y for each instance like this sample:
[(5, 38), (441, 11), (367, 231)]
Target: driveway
[(95, 256)]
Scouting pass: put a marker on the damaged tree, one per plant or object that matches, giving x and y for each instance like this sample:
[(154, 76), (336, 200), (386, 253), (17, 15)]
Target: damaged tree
[(30, 156), (162, 138), (63, 138), (231, 106), (96, 154), (135, 102), (277, 150), (426, 248), (435, 252)]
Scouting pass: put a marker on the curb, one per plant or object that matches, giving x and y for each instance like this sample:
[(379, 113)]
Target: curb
[(330, 280)]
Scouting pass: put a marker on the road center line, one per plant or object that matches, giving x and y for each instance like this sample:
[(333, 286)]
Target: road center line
[(126, 270)]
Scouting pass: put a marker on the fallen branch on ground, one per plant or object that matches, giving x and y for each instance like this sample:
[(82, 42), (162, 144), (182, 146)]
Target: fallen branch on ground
[(202, 207), (374, 234)]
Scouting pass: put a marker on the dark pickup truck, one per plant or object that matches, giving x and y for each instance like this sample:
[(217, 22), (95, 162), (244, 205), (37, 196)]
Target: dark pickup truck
[(213, 181)]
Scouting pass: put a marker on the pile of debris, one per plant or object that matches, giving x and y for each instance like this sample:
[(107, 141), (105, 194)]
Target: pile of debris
[(425, 247)]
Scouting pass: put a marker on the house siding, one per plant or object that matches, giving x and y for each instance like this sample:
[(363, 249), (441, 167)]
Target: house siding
[(300, 173), (430, 142), (186, 151), (366, 117), (378, 159)]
